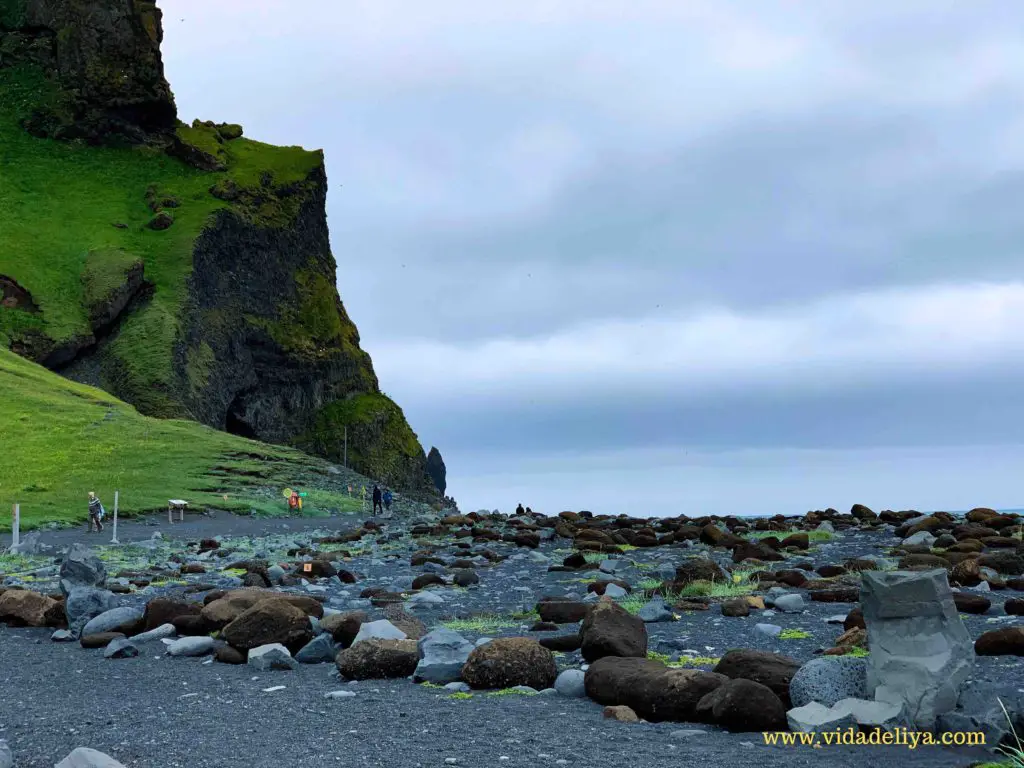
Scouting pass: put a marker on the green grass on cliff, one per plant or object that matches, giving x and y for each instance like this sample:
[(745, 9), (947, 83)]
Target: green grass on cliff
[(61, 440), (61, 203)]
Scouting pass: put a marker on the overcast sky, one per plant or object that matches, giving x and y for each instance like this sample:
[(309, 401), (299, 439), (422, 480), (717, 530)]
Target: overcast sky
[(663, 256)]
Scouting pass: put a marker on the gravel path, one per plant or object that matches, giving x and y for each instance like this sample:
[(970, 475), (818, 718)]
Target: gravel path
[(151, 712)]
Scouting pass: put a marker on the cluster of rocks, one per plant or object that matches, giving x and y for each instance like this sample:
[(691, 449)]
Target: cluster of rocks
[(913, 668)]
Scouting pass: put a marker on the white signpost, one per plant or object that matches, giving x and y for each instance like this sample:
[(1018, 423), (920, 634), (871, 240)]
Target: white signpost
[(114, 540), (16, 526)]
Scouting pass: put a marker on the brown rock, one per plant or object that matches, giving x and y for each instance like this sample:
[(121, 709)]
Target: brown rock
[(655, 691), (562, 643), (855, 637), (1014, 606), (609, 630), (1001, 642), (790, 578), (510, 661), (24, 608), (378, 659), (561, 610), (162, 610), (228, 655), (966, 573), (414, 628), (799, 540), (1009, 563), (743, 706), (855, 619), (191, 626), (426, 580), (269, 621), (971, 603), (99, 639), (736, 607), (770, 669), (837, 595)]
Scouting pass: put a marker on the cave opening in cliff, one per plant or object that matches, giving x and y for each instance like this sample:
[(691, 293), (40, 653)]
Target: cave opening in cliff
[(235, 422)]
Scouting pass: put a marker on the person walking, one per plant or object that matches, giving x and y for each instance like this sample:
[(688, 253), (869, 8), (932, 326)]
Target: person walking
[(377, 499), (388, 498), (95, 512)]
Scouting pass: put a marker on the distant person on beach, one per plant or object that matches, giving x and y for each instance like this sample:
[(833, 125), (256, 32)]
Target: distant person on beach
[(377, 500), (95, 512), (388, 498), (520, 510), (529, 511)]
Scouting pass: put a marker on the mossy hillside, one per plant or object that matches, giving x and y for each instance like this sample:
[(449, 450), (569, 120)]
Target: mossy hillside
[(380, 441), (62, 439), (61, 201)]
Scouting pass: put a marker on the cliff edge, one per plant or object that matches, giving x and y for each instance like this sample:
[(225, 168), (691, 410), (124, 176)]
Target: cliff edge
[(183, 268)]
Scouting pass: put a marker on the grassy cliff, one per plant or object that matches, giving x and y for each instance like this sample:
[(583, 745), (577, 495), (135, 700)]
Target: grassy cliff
[(183, 268), (63, 439)]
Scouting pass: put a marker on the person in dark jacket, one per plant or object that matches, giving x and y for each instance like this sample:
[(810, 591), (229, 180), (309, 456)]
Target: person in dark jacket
[(388, 498), (95, 512), (520, 510), (377, 500)]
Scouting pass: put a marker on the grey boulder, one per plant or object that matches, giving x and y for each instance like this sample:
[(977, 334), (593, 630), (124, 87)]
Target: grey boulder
[(921, 654), (655, 611), (443, 653), (381, 629), (320, 650), (120, 648), (81, 568), (110, 620), (789, 603), (191, 646), (570, 683), (271, 656), (828, 680), (86, 603)]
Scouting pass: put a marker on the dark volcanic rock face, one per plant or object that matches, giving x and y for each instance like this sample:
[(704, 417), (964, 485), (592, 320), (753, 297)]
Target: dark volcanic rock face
[(437, 470), (106, 56), (268, 349)]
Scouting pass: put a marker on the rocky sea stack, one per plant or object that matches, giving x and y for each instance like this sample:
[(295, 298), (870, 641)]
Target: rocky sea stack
[(181, 267)]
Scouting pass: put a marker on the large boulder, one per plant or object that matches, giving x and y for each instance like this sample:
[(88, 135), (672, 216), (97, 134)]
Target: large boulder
[(656, 692), (272, 656), (85, 603), (1008, 641), (609, 630), (124, 619), (828, 680), (378, 659), (743, 706), (268, 622), (443, 654), (81, 568), (770, 669), (162, 610), (510, 661), (228, 607), (24, 608), (921, 654)]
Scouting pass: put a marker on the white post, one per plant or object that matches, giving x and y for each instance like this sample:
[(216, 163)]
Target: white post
[(114, 540), (16, 526)]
